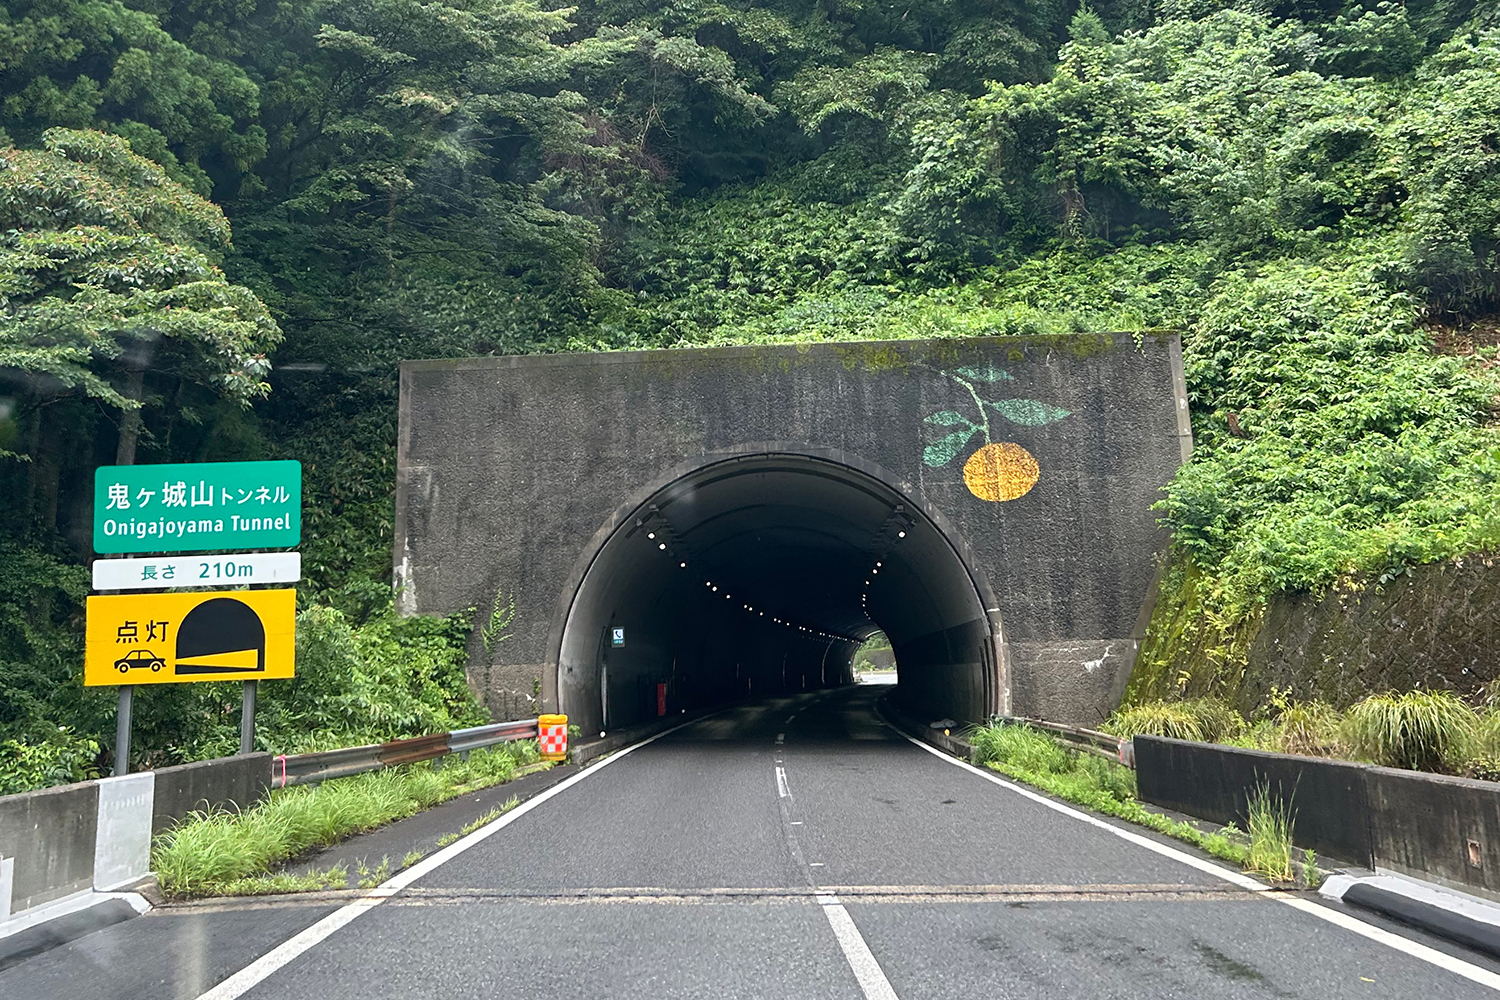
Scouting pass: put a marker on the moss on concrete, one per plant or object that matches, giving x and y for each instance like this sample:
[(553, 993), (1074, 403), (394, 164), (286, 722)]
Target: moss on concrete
[(1434, 626)]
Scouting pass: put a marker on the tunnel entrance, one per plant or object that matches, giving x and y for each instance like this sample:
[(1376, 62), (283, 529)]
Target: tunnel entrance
[(762, 575)]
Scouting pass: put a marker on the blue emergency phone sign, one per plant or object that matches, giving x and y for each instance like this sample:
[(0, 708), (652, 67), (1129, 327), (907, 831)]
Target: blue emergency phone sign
[(617, 637)]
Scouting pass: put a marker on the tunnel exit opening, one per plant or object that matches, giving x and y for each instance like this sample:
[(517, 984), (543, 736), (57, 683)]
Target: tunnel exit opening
[(761, 575)]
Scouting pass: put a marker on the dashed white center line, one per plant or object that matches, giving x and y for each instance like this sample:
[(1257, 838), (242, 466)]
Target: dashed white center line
[(780, 738), (781, 788)]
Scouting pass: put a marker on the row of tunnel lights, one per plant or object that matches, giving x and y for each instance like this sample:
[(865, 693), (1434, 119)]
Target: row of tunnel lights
[(864, 596)]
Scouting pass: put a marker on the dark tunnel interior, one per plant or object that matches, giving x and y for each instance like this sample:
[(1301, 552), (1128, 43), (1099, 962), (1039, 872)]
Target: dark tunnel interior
[(761, 576)]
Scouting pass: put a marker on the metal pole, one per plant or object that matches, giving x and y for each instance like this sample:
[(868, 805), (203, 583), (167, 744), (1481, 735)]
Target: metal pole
[(122, 730), (247, 718)]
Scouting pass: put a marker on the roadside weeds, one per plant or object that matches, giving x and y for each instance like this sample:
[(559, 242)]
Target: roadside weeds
[(224, 853), (1036, 758)]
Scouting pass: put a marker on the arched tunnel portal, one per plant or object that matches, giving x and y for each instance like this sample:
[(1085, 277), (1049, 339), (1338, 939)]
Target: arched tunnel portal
[(529, 490), (760, 575)]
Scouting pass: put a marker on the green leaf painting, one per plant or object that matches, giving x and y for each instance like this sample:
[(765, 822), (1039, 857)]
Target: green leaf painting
[(997, 470), (942, 451), (1027, 412), (989, 373), (951, 418)]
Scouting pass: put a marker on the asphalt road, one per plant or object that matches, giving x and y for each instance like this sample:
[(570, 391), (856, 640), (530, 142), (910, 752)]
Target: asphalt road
[(792, 848)]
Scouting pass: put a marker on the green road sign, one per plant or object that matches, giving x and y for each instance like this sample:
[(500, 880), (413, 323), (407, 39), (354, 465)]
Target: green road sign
[(203, 507)]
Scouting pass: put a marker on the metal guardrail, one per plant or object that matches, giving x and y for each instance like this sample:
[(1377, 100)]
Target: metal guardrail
[(1116, 748), (310, 768)]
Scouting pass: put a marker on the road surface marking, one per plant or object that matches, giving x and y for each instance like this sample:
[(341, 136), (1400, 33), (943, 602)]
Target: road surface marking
[(781, 788), (262, 968), (861, 960), (1432, 956), (780, 738)]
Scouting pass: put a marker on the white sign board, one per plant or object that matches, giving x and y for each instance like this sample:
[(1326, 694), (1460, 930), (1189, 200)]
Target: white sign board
[(216, 570)]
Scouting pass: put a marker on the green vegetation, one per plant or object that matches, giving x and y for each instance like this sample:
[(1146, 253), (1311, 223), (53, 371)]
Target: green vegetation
[(1270, 823), (1421, 730), (227, 853), (490, 816), (1039, 759), (1418, 730), (875, 653), (1102, 785), (1310, 192)]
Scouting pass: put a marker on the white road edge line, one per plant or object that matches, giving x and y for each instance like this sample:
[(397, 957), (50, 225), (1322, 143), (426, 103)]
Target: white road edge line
[(262, 968), (1432, 956), (857, 953)]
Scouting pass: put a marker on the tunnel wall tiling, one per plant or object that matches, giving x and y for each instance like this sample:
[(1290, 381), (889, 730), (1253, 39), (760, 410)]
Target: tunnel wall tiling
[(785, 474)]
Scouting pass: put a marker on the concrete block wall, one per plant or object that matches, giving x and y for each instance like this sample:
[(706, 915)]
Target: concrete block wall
[(1430, 826), (96, 835)]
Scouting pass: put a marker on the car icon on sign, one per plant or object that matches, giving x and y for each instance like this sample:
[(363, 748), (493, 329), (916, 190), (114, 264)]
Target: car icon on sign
[(139, 658)]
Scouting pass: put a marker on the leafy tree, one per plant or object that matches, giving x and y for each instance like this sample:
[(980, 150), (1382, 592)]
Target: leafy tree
[(105, 273), (98, 64)]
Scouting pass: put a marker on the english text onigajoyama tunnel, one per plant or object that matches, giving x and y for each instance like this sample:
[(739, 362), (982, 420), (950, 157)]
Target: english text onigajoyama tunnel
[(676, 529)]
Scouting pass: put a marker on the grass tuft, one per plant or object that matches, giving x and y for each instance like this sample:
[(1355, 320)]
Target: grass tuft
[(1418, 730), (491, 816), (1157, 718), (1270, 835)]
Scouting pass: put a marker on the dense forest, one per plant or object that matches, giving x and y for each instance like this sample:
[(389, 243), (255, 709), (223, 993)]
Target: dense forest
[(224, 222)]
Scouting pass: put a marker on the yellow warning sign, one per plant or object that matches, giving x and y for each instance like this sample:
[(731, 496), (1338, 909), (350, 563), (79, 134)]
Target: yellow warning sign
[(222, 635)]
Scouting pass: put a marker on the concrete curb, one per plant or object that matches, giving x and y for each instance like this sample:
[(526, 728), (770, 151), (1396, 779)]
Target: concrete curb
[(953, 745), (1455, 916)]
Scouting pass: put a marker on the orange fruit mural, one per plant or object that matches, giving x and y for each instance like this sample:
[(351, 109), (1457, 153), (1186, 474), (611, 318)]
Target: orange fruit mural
[(1003, 471), (997, 470)]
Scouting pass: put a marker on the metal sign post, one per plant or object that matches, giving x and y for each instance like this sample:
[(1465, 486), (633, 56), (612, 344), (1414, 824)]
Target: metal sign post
[(122, 730), (247, 718)]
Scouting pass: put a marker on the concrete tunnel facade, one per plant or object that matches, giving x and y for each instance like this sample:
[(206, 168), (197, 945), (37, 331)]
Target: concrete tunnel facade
[(656, 531)]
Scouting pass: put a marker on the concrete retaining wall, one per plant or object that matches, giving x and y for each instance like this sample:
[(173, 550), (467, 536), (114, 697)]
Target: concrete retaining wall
[(50, 833), (1431, 826), (226, 783), (1214, 782), (55, 842), (1424, 824)]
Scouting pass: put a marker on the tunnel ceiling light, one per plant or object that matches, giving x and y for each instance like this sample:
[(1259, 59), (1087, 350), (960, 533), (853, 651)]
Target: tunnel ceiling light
[(879, 564), (661, 545), (716, 590), (682, 565), (650, 534), (900, 534)]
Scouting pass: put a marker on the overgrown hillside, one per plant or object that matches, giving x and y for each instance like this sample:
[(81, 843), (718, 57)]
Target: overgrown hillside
[(1311, 191)]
